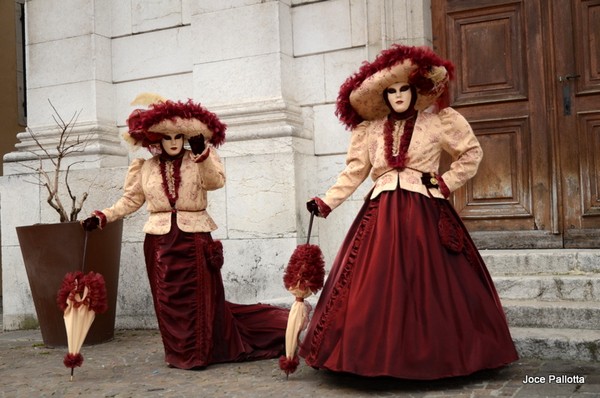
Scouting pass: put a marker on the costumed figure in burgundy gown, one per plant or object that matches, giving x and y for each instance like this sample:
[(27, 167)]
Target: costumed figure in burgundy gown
[(198, 327), (408, 294)]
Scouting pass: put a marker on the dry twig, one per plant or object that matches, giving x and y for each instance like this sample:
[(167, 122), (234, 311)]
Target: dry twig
[(67, 145)]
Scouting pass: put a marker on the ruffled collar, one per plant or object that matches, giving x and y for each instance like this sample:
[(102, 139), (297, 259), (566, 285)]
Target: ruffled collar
[(396, 153)]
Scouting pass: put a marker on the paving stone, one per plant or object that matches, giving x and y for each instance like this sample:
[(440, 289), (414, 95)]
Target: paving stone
[(132, 365)]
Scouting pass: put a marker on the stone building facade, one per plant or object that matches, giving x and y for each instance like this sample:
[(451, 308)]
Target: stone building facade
[(270, 69)]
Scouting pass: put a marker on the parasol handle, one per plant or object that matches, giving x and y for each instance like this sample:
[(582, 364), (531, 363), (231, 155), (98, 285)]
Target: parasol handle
[(85, 239), (310, 224)]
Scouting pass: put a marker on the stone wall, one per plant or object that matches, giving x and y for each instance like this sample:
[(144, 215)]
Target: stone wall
[(270, 70)]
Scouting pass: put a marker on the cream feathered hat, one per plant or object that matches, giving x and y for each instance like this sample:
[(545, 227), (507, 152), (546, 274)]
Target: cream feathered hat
[(162, 116), (361, 97)]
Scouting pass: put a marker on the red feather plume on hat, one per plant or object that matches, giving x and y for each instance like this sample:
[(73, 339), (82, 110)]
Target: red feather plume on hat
[(141, 121)]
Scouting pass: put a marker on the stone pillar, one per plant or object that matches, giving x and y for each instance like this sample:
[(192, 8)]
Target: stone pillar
[(243, 71), (69, 65)]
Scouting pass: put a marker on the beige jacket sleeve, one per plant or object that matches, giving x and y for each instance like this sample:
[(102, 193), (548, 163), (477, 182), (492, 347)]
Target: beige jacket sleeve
[(133, 195), (460, 142), (356, 171)]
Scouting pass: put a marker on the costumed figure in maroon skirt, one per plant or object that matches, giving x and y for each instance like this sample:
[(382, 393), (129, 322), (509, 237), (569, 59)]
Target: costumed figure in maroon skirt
[(408, 294), (198, 327)]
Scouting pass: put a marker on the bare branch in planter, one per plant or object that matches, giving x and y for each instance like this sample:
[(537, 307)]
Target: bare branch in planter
[(75, 206), (68, 144)]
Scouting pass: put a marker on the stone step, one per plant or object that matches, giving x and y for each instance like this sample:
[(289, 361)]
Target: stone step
[(539, 342), (550, 343), (552, 314), (550, 261), (583, 287)]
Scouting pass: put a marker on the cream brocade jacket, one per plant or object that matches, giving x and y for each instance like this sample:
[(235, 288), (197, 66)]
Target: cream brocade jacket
[(433, 133), (144, 183)]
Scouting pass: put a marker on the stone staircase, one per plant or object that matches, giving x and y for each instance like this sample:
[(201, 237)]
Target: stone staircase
[(551, 299)]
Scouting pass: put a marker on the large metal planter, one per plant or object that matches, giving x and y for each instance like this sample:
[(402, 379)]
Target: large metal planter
[(49, 252)]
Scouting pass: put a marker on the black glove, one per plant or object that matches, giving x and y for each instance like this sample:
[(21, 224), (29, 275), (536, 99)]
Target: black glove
[(90, 223), (197, 144), (312, 207)]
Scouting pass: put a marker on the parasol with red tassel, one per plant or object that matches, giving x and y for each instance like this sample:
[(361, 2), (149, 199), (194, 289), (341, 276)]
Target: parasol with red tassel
[(81, 297), (304, 276)]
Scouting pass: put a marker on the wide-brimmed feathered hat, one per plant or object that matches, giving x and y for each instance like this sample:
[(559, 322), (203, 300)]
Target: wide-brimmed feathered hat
[(162, 116), (361, 96)]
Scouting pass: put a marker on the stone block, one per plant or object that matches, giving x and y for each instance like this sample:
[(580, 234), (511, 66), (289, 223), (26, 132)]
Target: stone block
[(104, 96), (153, 15), (121, 17), (314, 26), (360, 22), (305, 184), (411, 22), (261, 196), (69, 99), (559, 314), (175, 87), (20, 205), (70, 60), (334, 228), (53, 20), (186, 11), (16, 294), (329, 168), (309, 80), (217, 208), (301, 2), (330, 135), (171, 53), (340, 65), (103, 20), (247, 32), (209, 6), (588, 261), (548, 288), (566, 344), (511, 262), (134, 302), (239, 81), (254, 268)]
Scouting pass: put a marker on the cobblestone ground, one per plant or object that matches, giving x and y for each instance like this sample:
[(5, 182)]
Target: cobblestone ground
[(132, 365)]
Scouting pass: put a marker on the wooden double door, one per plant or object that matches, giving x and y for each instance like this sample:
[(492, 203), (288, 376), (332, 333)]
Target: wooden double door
[(528, 80)]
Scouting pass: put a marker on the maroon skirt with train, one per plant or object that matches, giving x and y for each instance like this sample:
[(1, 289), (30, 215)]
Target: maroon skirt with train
[(198, 327), (408, 296)]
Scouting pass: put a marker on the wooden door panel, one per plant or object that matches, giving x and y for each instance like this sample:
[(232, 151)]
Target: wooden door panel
[(501, 188), (589, 149), (528, 81), (587, 97), (500, 79), (577, 101), (476, 38), (587, 46)]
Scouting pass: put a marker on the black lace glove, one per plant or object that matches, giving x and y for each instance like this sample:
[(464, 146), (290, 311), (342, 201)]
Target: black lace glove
[(197, 144), (90, 223), (312, 207)]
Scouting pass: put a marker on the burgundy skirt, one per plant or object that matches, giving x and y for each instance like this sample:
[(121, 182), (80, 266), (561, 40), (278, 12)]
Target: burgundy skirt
[(198, 327), (400, 301)]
